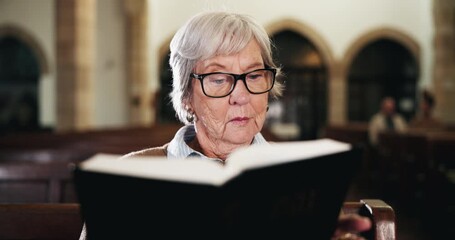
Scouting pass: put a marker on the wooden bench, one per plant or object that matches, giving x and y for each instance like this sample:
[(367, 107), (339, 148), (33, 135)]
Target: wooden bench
[(64, 221), (39, 173), (409, 164), (77, 146), (354, 133), (381, 214), (29, 182), (440, 189), (38, 221)]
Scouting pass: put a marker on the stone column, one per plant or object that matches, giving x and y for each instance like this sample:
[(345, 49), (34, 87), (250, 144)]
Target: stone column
[(444, 60), (337, 95), (137, 62), (75, 23)]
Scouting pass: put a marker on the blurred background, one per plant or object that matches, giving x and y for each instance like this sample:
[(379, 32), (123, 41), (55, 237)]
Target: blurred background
[(84, 76)]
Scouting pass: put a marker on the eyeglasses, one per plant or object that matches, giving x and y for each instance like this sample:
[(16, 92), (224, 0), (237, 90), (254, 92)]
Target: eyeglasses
[(219, 84)]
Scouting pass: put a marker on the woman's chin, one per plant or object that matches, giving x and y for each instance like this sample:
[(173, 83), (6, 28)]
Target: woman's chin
[(241, 135)]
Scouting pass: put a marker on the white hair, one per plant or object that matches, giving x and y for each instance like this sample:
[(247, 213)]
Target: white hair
[(206, 35)]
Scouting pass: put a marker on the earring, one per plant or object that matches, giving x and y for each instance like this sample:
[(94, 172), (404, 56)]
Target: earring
[(267, 108), (189, 116)]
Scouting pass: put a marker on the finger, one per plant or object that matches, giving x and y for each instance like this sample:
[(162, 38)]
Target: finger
[(350, 236), (353, 223)]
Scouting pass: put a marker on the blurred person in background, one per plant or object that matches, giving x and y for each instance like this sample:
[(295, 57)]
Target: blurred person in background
[(387, 119), (425, 119)]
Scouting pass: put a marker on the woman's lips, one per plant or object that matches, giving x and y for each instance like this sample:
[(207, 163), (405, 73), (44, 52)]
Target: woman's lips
[(240, 120)]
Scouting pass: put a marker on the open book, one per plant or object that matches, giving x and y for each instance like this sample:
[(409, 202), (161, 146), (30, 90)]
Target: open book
[(281, 190)]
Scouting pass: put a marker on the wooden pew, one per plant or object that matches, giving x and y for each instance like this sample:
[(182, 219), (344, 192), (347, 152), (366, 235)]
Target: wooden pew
[(37, 174), (29, 182), (64, 221), (403, 164), (442, 150), (78, 146), (381, 214), (68, 154), (37, 221), (356, 134), (439, 193)]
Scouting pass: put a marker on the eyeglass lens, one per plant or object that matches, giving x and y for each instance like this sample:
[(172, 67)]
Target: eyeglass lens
[(221, 84)]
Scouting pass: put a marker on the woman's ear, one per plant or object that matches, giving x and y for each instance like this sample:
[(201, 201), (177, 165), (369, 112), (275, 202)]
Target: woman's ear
[(187, 105)]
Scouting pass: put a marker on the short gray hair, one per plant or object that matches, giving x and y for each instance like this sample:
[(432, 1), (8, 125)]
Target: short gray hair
[(206, 35)]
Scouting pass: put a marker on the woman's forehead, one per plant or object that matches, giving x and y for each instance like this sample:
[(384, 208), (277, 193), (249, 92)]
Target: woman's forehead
[(249, 56)]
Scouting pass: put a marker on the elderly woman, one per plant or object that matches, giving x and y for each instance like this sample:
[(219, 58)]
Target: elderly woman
[(223, 75)]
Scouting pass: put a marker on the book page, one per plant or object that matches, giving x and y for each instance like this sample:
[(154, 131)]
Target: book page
[(262, 155), (192, 170), (196, 170)]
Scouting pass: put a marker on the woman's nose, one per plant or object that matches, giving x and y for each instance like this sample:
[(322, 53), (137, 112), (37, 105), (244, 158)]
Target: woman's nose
[(240, 94)]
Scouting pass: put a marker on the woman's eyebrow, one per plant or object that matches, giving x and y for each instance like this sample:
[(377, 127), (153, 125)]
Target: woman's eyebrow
[(215, 64), (219, 65), (256, 65)]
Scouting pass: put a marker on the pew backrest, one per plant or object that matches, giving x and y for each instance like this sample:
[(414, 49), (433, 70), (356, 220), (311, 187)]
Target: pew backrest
[(40, 221), (28, 182)]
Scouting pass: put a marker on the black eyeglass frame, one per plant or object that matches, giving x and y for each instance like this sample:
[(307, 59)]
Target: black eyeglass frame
[(242, 77)]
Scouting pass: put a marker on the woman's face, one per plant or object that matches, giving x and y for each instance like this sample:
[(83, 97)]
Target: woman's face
[(236, 118)]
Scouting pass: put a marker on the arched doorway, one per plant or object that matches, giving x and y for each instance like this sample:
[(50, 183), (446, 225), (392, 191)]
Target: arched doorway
[(304, 101), (165, 111), (381, 68), (19, 75)]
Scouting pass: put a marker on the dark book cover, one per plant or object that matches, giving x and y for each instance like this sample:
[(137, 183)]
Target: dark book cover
[(295, 199)]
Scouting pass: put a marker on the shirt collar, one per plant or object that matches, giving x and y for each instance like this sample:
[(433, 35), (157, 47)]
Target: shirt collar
[(178, 147)]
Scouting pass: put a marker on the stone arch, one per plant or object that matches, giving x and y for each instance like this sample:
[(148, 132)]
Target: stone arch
[(308, 32), (164, 113), (360, 43), (326, 54), (20, 88), (25, 37), (381, 33)]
